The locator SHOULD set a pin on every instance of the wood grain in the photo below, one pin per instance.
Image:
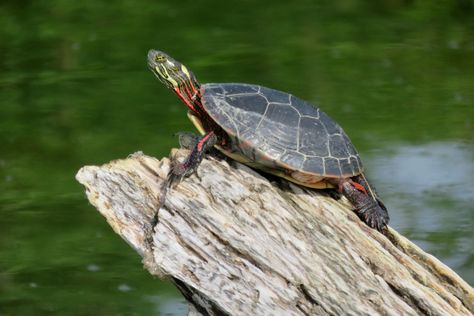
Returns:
(236, 243)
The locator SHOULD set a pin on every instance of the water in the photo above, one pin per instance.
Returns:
(75, 90)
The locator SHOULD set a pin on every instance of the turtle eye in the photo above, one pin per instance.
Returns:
(160, 58)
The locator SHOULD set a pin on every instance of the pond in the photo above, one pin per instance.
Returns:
(75, 90)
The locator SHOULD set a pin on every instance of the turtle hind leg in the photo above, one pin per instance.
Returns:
(369, 208)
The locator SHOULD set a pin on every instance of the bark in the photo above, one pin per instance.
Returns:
(238, 243)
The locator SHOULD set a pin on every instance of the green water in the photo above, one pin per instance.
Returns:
(75, 90)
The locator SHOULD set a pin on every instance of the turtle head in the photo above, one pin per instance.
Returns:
(169, 71)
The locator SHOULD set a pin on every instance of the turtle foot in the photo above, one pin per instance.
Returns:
(375, 216)
(368, 207)
(187, 140)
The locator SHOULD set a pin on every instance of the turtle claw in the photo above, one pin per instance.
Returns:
(374, 216)
(181, 170)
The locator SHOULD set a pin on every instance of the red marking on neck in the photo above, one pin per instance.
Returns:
(189, 92)
(185, 98)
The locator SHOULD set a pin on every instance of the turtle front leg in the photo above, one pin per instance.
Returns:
(188, 140)
(198, 146)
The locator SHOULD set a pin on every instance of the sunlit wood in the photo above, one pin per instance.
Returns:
(237, 244)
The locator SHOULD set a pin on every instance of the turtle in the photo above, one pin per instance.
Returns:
(270, 130)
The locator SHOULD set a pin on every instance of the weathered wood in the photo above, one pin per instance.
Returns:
(237, 244)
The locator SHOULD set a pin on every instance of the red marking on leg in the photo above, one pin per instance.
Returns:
(202, 141)
(358, 186)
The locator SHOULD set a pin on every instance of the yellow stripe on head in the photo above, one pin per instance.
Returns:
(171, 72)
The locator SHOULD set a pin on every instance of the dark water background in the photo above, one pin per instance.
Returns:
(75, 90)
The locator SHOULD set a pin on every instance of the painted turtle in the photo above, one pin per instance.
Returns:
(269, 130)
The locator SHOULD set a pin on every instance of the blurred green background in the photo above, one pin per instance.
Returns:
(398, 75)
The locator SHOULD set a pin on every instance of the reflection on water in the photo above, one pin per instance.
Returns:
(169, 306)
(432, 167)
(429, 189)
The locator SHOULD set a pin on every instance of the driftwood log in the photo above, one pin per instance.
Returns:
(236, 243)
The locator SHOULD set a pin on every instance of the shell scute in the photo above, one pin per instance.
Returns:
(280, 128)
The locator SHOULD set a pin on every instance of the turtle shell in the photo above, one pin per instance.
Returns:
(275, 129)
